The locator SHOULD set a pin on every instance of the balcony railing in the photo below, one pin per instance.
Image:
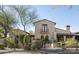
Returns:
(44, 32)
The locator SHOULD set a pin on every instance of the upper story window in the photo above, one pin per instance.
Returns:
(44, 28)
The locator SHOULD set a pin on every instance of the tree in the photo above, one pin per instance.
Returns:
(25, 15)
(42, 39)
(6, 20)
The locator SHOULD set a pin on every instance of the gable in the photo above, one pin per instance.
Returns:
(45, 20)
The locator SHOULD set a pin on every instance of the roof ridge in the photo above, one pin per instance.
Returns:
(46, 20)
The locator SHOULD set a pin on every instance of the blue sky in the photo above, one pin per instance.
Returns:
(61, 15)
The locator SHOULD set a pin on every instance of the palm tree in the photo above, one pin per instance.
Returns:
(25, 16)
(6, 20)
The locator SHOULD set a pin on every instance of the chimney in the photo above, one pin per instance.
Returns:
(68, 27)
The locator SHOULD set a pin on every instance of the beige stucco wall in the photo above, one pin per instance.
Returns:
(38, 27)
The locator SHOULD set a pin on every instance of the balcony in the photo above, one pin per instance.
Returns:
(44, 32)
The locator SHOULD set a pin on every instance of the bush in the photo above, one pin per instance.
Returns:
(10, 42)
(37, 44)
(27, 42)
(21, 39)
(46, 39)
(70, 42)
(42, 40)
(1, 46)
(17, 46)
(24, 39)
(60, 44)
(42, 37)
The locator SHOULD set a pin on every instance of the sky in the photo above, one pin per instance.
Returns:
(62, 15)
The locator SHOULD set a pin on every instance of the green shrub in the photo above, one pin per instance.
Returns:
(10, 42)
(42, 37)
(21, 39)
(17, 46)
(37, 44)
(42, 40)
(46, 39)
(1, 46)
(60, 44)
(24, 39)
(70, 42)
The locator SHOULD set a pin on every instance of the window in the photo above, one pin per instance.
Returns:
(44, 28)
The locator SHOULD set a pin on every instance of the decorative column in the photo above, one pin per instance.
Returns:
(55, 36)
(64, 38)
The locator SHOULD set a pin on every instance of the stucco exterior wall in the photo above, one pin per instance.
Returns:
(38, 28)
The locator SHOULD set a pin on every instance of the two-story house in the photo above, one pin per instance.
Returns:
(46, 27)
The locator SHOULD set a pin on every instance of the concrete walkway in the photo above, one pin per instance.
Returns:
(24, 52)
(20, 51)
(17, 51)
(8, 50)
